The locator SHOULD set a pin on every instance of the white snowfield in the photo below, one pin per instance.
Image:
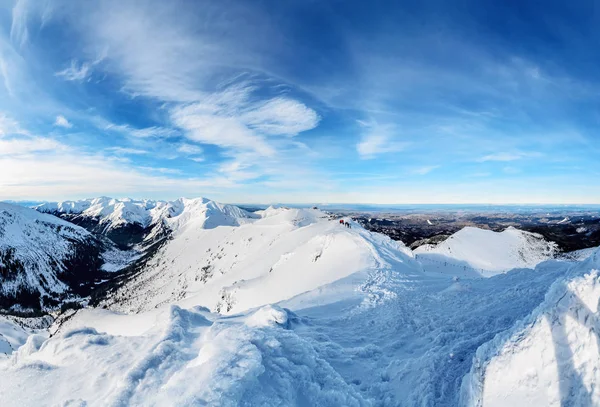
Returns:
(295, 309)
(484, 253)
(39, 243)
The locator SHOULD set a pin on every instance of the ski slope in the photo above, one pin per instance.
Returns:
(299, 310)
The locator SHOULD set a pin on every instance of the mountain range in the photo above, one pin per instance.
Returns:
(285, 306)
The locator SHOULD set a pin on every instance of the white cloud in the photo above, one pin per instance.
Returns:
(231, 119)
(62, 121)
(424, 170)
(511, 170)
(9, 126)
(187, 148)
(225, 131)
(76, 71)
(68, 173)
(147, 132)
(126, 151)
(508, 156)
(378, 140)
(28, 145)
(479, 174)
(282, 116)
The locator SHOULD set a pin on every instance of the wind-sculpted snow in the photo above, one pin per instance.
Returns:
(14, 331)
(474, 252)
(186, 357)
(552, 357)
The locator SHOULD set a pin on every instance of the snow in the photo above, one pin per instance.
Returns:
(110, 212)
(113, 213)
(551, 358)
(284, 253)
(473, 252)
(14, 331)
(290, 308)
(39, 242)
(234, 360)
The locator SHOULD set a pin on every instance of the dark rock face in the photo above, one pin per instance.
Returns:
(124, 237)
(80, 271)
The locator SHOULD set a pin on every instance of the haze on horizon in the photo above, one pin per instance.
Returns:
(391, 103)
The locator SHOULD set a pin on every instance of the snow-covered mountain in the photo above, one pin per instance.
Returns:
(43, 258)
(290, 307)
(127, 222)
(276, 256)
(474, 252)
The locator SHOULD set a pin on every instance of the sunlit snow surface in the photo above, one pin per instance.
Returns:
(366, 326)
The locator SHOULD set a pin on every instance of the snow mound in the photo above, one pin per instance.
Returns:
(551, 358)
(184, 357)
(474, 252)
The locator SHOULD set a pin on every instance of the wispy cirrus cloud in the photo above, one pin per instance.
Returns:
(9, 126)
(232, 118)
(424, 170)
(127, 151)
(379, 139)
(19, 146)
(508, 156)
(75, 72)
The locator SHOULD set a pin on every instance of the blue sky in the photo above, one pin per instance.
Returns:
(301, 101)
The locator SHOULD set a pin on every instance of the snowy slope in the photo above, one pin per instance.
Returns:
(551, 358)
(284, 253)
(41, 255)
(14, 331)
(474, 252)
(129, 222)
